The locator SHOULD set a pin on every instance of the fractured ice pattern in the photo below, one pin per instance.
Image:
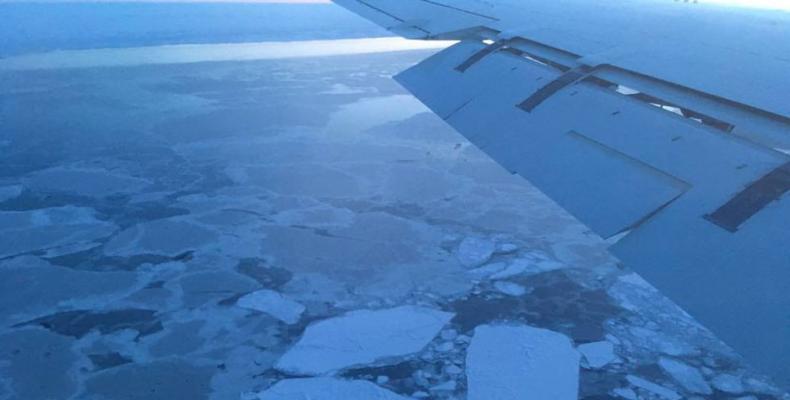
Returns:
(305, 229)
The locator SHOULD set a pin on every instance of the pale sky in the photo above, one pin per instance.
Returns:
(175, 1)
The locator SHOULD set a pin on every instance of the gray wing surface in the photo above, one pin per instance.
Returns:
(665, 122)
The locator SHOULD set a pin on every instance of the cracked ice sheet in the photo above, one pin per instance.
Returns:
(31, 287)
(50, 228)
(86, 182)
(362, 337)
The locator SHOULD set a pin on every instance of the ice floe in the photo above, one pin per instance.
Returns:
(626, 393)
(597, 354)
(728, 383)
(510, 288)
(658, 390)
(487, 270)
(274, 304)
(528, 264)
(475, 251)
(506, 248)
(49, 228)
(521, 362)
(687, 376)
(325, 389)
(167, 237)
(10, 192)
(39, 287)
(362, 337)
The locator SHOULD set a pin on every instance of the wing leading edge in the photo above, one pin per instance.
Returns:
(694, 169)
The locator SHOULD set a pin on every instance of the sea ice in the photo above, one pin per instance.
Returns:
(658, 390)
(506, 248)
(529, 264)
(362, 337)
(87, 182)
(728, 383)
(487, 270)
(49, 228)
(597, 354)
(31, 287)
(326, 389)
(521, 362)
(517, 267)
(626, 393)
(10, 192)
(687, 376)
(274, 304)
(475, 251)
(510, 288)
(167, 237)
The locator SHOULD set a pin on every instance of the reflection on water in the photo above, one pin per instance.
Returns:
(373, 111)
(191, 53)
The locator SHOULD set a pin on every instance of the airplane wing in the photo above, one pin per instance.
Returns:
(661, 122)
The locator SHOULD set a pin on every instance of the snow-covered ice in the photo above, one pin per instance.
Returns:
(274, 304)
(362, 337)
(520, 363)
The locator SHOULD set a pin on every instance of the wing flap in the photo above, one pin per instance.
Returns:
(738, 54)
(622, 160)
(417, 18)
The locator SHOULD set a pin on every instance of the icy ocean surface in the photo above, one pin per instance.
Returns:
(305, 229)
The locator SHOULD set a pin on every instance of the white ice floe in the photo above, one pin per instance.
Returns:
(506, 248)
(448, 386)
(325, 389)
(658, 390)
(10, 192)
(31, 287)
(167, 237)
(529, 264)
(362, 337)
(49, 228)
(475, 251)
(510, 288)
(728, 383)
(521, 362)
(660, 341)
(597, 354)
(487, 270)
(626, 393)
(687, 376)
(274, 304)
